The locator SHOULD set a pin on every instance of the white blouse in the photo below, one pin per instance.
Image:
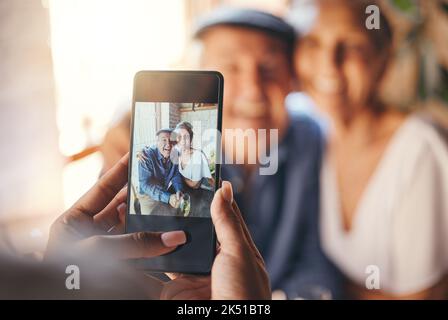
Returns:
(401, 222)
(197, 168)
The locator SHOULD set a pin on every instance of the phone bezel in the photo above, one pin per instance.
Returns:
(196, 73)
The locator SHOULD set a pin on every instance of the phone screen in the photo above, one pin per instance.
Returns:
(174, 163)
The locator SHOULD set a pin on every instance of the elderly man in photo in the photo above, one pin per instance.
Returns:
(159, 177)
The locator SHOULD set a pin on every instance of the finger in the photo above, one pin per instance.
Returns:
(133, 245)
(203, 293)
(120, 227)
(188, 283)
(72, 226)
(227, 225)
(110, 216)
(228, 194)
(246, 231)
(173, 275)
(152, 286)
(107, 187)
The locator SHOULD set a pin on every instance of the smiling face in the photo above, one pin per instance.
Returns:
(183, 139)
(337, 61)
(257, 73)
(164, 144)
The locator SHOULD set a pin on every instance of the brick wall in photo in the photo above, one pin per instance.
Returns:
(174, 115)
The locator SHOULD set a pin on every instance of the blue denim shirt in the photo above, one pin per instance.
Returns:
(282, 214)
(157, 174)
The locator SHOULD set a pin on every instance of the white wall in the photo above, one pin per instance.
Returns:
(31, 165)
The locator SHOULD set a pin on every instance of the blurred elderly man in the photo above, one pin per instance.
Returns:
(253, 50)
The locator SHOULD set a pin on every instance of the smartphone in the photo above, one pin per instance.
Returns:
(174, 167)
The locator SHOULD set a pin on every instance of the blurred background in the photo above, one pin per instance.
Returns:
(66, 76)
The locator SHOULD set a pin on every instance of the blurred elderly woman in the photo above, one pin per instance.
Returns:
(384, 180)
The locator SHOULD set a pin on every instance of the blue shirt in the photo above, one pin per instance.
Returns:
(282, 211)
(157, 174)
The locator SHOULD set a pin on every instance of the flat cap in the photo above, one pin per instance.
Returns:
(247, 18)
(164, 130)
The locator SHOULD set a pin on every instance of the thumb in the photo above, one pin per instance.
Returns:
(227, 225)
(133, 245)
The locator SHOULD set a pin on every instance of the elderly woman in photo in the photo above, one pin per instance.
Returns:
(193, 164)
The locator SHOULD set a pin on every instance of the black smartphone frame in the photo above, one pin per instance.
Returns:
(181, 92)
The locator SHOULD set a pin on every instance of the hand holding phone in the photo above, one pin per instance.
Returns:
(92, 225)
(238, 272)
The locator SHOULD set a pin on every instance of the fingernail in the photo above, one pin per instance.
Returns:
(121, 207)
(227, 192)
(173, 238)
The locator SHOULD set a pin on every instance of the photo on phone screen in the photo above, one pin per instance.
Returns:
(174, 155)
(174, 163)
